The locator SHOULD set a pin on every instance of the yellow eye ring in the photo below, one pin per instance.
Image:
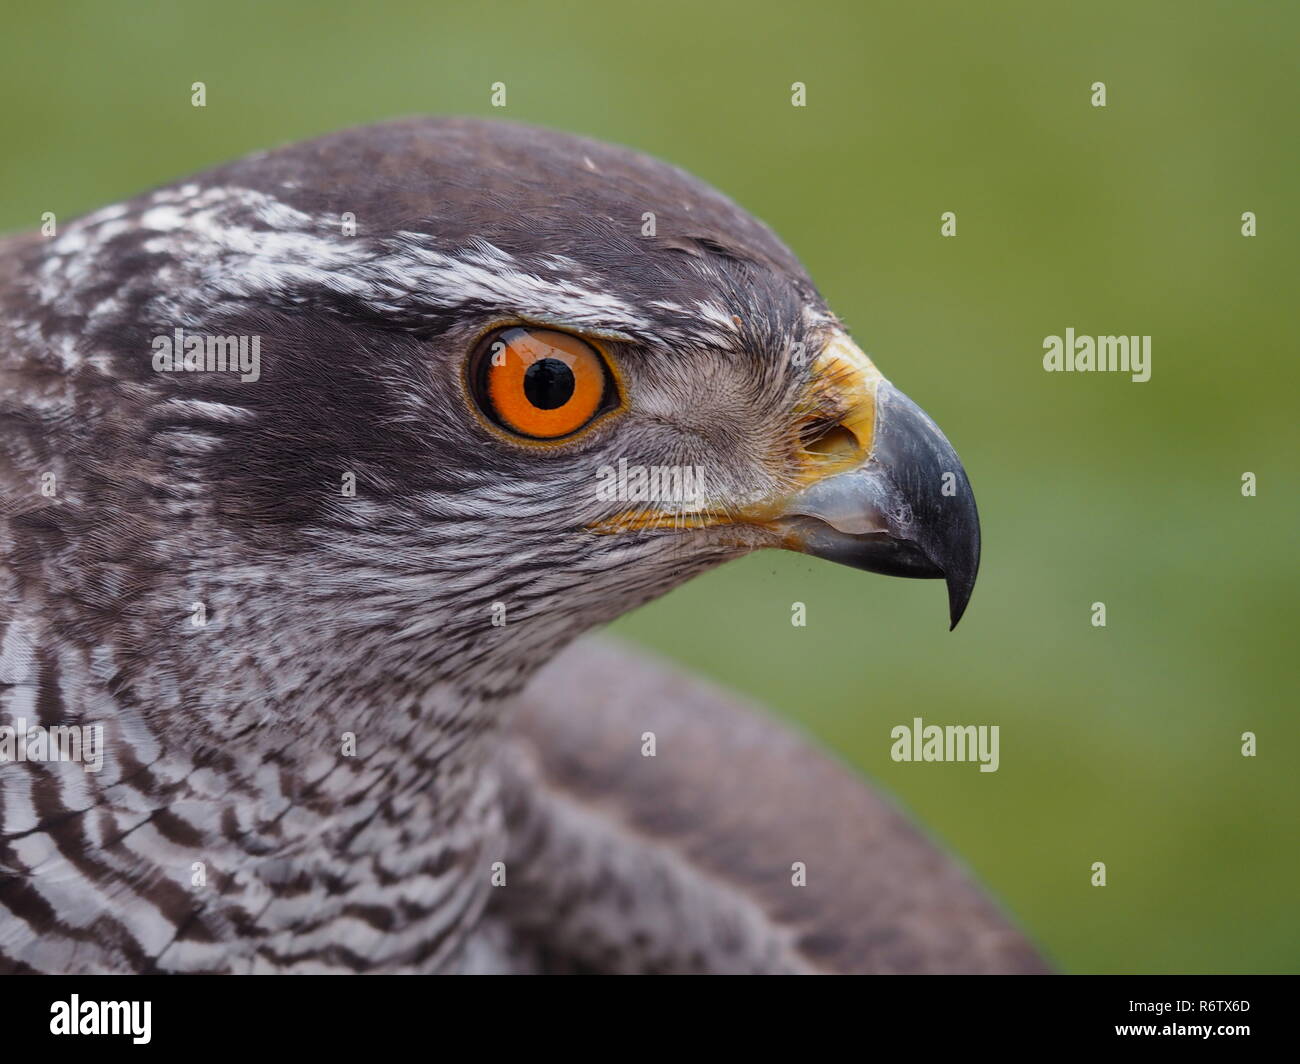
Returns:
(539, 383)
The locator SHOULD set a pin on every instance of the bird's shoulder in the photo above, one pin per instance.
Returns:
(725, 818)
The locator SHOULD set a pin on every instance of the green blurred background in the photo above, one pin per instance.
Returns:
(1119, 744)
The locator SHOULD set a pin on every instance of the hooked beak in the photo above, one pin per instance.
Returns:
(897, 500)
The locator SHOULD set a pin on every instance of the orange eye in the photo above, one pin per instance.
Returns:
(540, 383)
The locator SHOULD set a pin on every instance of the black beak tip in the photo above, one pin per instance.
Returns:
(960, 579)
(958, 597)
(942, 519)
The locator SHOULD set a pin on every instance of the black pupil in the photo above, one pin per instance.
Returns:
(548, 383)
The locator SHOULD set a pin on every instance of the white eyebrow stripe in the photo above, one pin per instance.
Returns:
(489, 275)
(717, 315)
(228, 242)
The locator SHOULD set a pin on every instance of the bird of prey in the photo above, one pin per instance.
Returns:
(314, 466)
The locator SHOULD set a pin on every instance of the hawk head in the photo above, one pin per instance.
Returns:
(484, 386)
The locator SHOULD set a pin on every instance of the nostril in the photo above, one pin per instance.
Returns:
(833, 441)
